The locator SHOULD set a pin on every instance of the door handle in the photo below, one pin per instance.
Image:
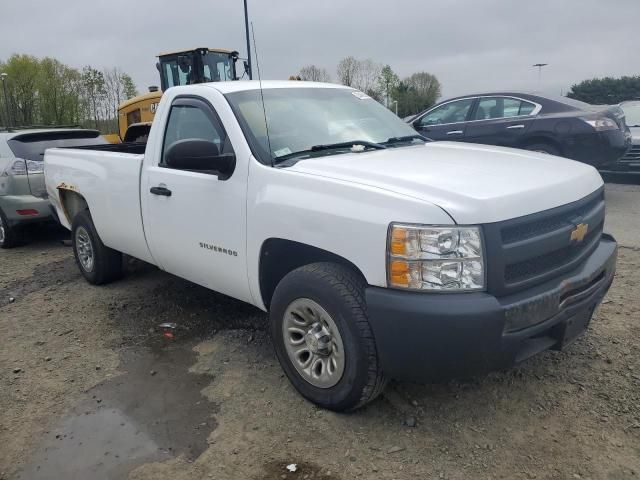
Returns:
(455, 132)
(515, 127)
(164, 191)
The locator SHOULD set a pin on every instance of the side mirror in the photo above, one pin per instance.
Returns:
(199, 155)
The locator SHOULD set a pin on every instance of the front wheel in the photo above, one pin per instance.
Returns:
(98, 263)
(322, 336)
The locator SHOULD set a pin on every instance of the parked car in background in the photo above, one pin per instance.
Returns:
(630, 161)
(558, 126)
(23, 196)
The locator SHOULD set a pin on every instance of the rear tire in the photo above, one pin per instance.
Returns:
(318, 318)
(98, 263)
(9, 236)
(543, 148)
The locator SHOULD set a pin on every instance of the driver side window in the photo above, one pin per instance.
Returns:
(190, 121)
(452, 112)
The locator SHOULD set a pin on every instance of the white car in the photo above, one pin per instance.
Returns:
(378, 255)
(629, 163)
(23, 197)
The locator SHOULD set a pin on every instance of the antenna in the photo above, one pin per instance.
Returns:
(264, 110)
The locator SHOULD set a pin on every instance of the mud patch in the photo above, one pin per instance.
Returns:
(152, 412)
(51, 274)
(199, 313)
(277, 470)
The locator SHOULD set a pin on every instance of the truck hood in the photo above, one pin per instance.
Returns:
(472, 183)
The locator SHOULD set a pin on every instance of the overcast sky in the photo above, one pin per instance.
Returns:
(470, 45)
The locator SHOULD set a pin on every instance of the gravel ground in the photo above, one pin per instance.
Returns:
(90, 388)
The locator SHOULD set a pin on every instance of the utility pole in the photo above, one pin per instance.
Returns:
(246, 29)
(4, 76)
(540, 65)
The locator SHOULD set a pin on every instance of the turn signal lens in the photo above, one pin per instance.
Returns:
(399, 273)
(399, 241)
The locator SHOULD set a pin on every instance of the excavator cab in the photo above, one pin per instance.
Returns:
(200, 65)
(186, 67)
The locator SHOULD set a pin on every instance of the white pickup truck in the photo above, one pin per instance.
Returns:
(376, 253)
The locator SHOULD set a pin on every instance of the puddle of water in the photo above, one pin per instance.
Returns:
(132, 419)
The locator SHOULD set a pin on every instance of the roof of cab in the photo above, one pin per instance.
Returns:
(214, 50)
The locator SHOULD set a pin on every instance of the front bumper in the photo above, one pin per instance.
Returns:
(597, 148)
(11, 204)
(629, 163)
(427, 337)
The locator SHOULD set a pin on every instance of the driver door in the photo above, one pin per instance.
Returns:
(446, 121)
(195, 222)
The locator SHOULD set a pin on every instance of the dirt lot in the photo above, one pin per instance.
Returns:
(90, 389)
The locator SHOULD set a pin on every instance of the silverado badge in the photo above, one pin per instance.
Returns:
(579, 232)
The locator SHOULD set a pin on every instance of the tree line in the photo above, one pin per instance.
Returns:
(45, 91)
(607, 91)
(409, 95)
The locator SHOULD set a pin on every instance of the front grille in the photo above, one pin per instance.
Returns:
(549, 261)
(547, 224)
(529, 250)
(632, 155)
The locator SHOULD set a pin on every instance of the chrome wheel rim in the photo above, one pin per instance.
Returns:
(313, 343)
(2, 233)
(84, 249)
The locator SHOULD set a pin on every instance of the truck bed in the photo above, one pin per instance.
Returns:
(107, 177)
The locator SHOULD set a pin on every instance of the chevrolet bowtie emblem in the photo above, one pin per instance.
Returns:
(579, 232)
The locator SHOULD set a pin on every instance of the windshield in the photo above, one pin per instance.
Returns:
(218, 67)
(632, 113)
(192, 68)
(301, 118)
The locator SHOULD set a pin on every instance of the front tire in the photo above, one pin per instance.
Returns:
(98, 263)
(322, 336)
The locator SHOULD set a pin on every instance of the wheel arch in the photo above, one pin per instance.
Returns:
(72, 203)
(542, 139)
(279, 256)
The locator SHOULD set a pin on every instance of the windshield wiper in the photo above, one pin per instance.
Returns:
(329, 146)
(404, 139)
(349, 144)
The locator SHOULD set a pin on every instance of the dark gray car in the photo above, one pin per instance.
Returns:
(558, 126)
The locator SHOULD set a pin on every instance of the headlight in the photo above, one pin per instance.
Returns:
(602, 124)
(435, 258)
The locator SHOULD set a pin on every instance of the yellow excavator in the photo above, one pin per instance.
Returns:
(186, 67)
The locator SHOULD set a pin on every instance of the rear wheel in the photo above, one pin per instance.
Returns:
(98, 263)
(322, 336)
(9, 236)
(543, 148)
